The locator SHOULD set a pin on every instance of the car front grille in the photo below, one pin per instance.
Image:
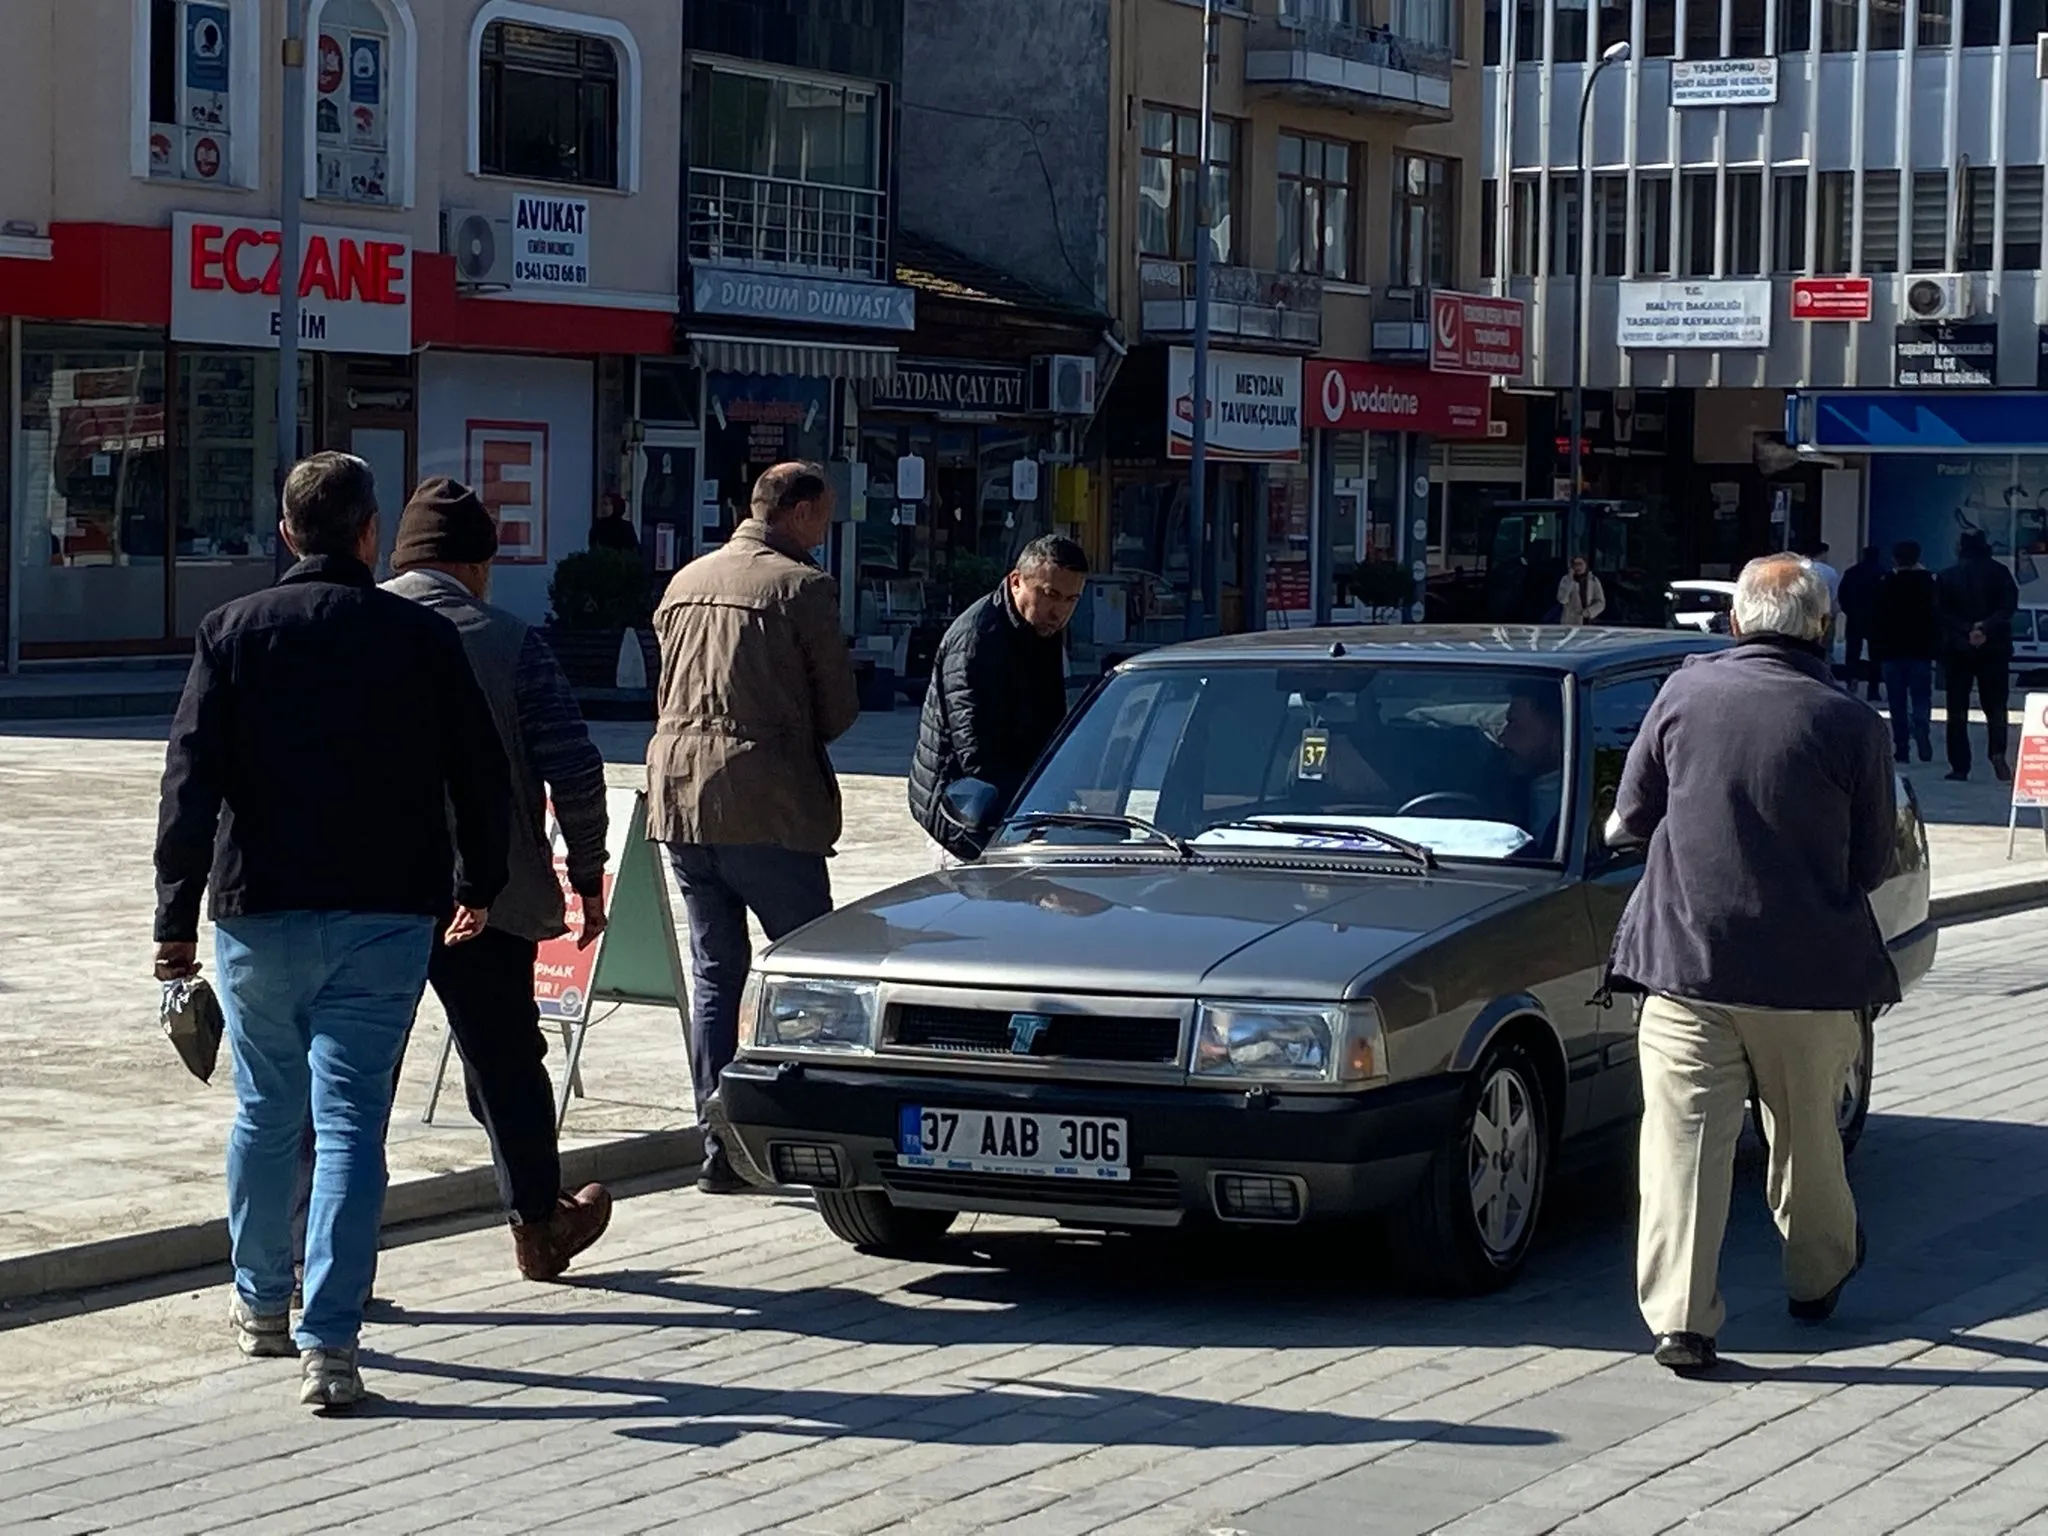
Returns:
(1147, 1189)
(1064, 1036)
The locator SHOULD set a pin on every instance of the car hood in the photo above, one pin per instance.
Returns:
(1146, 928)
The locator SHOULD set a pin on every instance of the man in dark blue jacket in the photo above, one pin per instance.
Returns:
(326, 731)
(1765, 794)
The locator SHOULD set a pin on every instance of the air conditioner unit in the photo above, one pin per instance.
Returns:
(1064, 384)
(481, 244)
(1939, 296)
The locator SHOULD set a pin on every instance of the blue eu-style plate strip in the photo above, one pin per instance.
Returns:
(910, 1130)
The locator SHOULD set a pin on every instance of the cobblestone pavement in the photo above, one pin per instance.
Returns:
(722, 1366)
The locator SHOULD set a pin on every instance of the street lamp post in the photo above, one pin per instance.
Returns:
(292, 188)
(1198, 429)
(1616, 53)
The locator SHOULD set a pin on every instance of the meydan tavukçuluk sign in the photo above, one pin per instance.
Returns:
(1254, 406)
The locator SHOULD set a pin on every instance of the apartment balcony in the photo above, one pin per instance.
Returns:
(789, 226)
(1346, 64)
(1282, 309)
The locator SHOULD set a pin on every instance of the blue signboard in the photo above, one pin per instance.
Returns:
(206, 48)
(365, 70)
(1904, 421)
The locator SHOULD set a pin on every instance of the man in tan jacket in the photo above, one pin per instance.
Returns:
(756, 681)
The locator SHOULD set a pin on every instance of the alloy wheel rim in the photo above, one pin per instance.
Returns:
(1504, 1163)
(1852, 1094)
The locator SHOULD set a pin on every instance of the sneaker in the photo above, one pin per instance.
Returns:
(2001, 770)
(718, 1176)
(545, 1248)
(1686, 1354)
(329, 1380)
(260, 1338)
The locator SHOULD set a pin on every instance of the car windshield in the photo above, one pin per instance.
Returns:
(1467, 761)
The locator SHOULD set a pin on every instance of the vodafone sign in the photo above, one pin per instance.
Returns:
(355, 285)
(1472, 334)
(1373, 397)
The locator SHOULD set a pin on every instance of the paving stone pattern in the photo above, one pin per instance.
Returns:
(723, 1366)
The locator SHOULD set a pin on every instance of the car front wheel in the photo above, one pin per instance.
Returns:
(1468, 1226)
(1852, 1104)
(867, 1219)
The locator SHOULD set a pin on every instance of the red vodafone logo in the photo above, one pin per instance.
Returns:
(1333, 395)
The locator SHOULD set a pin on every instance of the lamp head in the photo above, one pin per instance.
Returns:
(1616, 53)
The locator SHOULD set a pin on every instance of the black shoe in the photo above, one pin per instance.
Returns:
(1958, 778)
(1902, 757)
(1821, 1308)
(718, 1176)
(1926, 753)
(1686, 1354)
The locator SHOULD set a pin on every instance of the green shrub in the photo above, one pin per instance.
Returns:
(601, 589)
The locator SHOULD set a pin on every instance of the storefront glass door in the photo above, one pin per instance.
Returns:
(665, 501)
(224, 481)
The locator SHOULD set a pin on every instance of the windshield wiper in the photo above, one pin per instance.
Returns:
(1110, 822)
(1419, 852)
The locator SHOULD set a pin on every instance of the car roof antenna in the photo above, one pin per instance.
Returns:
(1336, 650)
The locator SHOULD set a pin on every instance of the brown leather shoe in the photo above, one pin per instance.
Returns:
(545, 1248)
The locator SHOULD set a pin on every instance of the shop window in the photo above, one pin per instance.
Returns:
(1880, 221)
(356, 61)
(195, 118)
(1937, 23)
(1745, 223)
(549, 105)
(1703, 29)
(1788, 221)
(1425, 235)
(1170, 159)
(1316, 206)
(1660, 28)
(1930, 221)
(1653, 226)
(1795, 26)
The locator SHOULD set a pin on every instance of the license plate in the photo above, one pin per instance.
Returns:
(1007, 1141)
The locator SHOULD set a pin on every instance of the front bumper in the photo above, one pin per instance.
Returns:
(1341, 1153)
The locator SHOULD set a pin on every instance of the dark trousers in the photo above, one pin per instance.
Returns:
(1989, 669)
(1909, 690)
(1855, 639)
(721, 884)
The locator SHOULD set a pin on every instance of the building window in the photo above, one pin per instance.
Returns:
(1696, 231)
(1788, 221)
(1526, 216)
(1564, 224)
(1425, 234)
(1981, 18)
(1166, 191)
(1887, 24)
(1610, 226)
(190, 90)
(1614, 23)
(1703, 29)
(1795, 26)
(1980, 217)
(787, 173)
(1748, 36)
(1930, 221)
(1653, 226)
(1489, 228)
(1880, 221)
(1528, 30)
(1937, 23)
(2023, 218)
(352, 103)
(1660, 28)
(1745, 223)
(1838, 25)
(1489, 45)
(1315, 214)
(1837, 252)
(548, 105)
(1568, 42)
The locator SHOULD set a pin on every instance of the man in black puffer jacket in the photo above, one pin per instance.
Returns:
(998, 691)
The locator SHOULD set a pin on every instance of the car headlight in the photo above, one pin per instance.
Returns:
(1290, 1042)
(798, 1013)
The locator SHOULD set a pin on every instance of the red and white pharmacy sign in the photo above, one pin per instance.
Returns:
(507, 462)
(355, 285)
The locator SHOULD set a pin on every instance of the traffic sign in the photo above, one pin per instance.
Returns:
(1831, 298)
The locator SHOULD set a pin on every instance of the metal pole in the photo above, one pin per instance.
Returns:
(291, 191)
(1574, 532)
(1198, 435)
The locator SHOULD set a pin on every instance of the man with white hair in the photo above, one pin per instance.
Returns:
(1765, 794)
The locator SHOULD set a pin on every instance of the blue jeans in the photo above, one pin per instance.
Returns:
(1909, 693)
(318, 1007)
(721, 883)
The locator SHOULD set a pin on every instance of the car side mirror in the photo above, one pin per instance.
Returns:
(971, 806)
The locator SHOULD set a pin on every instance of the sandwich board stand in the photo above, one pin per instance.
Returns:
(2030, 770)
(635, 960)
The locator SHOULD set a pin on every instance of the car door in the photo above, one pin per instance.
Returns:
(1614, 711)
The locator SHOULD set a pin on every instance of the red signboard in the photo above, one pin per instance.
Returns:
(1377, 397)
(1469, 333)
(2030, 772)
(1830, 298)
(562, 972)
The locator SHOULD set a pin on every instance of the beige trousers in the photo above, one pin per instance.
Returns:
(1697, 1060)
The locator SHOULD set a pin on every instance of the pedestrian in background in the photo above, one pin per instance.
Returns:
(1978, 599)
(611, 528)
(756, 682)
(998, 692)
(1856, 599)
(1905, 637)
(447, 540)
(1766, 799)
(1580, 597)
(326, 732)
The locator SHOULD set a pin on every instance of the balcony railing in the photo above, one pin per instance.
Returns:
(1245, 303)
(793, 226)
(1344, 62)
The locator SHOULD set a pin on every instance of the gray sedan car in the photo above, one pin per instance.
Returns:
(1286, 927)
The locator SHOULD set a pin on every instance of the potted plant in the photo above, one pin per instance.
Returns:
(597, 597)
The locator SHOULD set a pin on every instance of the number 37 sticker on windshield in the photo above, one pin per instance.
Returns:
(1315, 754)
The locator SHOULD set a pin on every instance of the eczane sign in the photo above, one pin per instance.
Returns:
(355, 285)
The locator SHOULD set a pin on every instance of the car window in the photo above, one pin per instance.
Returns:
(1614, 720)
(2024, 624)
(1467, 759)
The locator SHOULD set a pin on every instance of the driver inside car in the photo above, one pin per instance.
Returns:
(1531, 741)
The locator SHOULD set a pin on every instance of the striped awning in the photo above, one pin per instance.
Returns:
(815, 360)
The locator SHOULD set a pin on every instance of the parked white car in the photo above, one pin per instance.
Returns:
(1700, 605)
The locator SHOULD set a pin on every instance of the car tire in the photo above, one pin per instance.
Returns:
(1852, 1111)
(1445, 1235)
(867, 1219)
